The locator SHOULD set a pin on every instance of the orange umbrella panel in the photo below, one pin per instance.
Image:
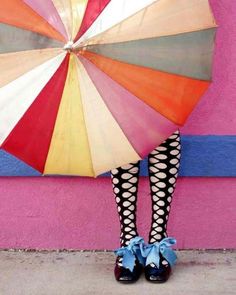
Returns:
(172, 95)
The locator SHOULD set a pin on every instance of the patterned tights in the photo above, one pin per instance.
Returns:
(163, 167)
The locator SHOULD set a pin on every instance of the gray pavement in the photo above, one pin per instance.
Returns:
(75, 273)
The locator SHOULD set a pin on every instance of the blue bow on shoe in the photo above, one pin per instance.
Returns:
(131, 252)
(152, 252)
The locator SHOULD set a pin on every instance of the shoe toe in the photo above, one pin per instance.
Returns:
(124, 275)
(156, 278)
(157, 275)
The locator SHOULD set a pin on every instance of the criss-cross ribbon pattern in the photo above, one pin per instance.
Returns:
(153, 252)
(131, 252)
(147, 253)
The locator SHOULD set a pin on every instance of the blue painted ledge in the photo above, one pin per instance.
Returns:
(202, 155)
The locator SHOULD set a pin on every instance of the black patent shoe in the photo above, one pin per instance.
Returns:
(157, 266)
(156, 274)
(125, 275)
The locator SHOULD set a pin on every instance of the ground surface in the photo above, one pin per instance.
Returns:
(75, 273)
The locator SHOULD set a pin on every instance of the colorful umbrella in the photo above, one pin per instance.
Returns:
(90, 85)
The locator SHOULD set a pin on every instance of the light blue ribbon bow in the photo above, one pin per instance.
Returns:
(131, 252)
(152, 251)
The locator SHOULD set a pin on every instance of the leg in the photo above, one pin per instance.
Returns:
(125, 188)
(163, 164)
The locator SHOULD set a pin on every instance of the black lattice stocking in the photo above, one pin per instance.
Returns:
(163, 165)
(125, 188)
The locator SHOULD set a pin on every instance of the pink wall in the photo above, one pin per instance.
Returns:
(80, 213)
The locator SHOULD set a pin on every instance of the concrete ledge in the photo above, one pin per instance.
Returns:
(77, 273)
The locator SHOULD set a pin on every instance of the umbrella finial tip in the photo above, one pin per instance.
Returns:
(69, 46)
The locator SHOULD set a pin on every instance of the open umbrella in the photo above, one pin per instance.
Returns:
(90, 85)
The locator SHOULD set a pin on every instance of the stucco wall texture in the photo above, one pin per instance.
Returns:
(80, 213)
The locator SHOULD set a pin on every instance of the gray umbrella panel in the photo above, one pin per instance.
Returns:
(187, 54)
(13, 39)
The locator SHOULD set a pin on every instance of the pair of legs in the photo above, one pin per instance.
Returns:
(163, 167)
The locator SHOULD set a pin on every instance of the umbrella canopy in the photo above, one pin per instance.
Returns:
(91, 85)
